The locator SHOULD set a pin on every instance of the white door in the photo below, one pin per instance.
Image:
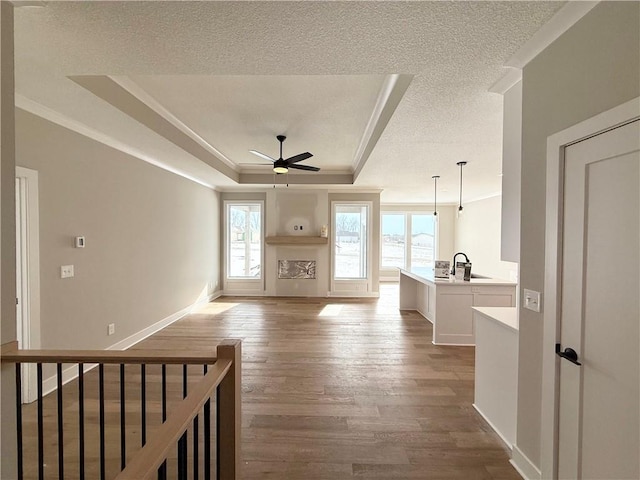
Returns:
(22, 287)
(599, 421)
(27, 274)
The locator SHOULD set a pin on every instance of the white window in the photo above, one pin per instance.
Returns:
(244, 240)
(408, 240)
(393, 240)
(422, 240)
(350, 232)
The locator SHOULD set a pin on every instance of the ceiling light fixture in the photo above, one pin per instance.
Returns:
(460, 164)
(435, 195)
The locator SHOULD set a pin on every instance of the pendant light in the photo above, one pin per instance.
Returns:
(461, 164)
(435, 195)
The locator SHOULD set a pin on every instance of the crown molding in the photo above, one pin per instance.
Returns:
(508, 80)
(294, 180)
(107, 89)
(51, 115)
(138, 92)
(389, 97)
(562, 21)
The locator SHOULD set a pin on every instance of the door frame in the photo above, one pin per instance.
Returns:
(30, 284)
(556, 144)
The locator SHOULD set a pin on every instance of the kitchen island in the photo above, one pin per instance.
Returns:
(447, 303)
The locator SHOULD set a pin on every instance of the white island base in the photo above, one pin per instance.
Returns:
(447, 303)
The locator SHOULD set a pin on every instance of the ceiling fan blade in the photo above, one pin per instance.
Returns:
(298, 158)
(262, 155)
(305, 167)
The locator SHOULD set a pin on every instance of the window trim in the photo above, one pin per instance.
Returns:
(368, 270)
(226, 205)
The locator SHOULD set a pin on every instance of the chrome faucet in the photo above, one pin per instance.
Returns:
(453, 270)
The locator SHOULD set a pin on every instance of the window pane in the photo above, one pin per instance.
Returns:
(422, 240)
(393, 240)
(350, 241)
(245, 241)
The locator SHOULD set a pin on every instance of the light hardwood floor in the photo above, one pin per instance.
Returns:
(332, 389)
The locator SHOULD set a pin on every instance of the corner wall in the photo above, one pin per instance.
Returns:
(152, 237)
(478, 235)
(592, 67)
(8, 241)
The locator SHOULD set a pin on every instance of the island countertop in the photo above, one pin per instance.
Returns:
(424, 274)
(505, 316)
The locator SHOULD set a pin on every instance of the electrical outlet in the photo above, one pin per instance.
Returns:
(66, 271)
(111, 329)
(532, 300)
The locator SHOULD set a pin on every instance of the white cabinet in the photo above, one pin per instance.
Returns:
(454, 324)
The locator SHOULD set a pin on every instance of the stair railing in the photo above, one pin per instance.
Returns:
(220, 385)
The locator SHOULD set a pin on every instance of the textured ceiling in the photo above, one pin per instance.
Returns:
(323, 114)
(326, 61)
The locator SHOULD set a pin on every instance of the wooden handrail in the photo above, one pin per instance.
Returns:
(146, 462)
(186, 357)
(224, 374)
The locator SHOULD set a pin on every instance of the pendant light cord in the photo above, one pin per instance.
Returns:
(460, 203)
(462, 164)
(435, 194)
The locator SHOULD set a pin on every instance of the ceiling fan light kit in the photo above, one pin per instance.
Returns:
(282, 165)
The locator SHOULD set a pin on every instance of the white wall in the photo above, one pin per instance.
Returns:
(7, 242)
(592, 67)
(446, 231)
(511, 166)
(152, 237)
(477, 233)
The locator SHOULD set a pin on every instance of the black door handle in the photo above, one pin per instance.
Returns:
(568, 354)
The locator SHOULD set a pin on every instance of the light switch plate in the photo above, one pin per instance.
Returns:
(66, 271)
(532, 300)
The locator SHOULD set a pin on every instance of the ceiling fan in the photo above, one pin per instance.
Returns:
(283, 165)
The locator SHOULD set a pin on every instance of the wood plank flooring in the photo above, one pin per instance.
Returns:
(336, 389)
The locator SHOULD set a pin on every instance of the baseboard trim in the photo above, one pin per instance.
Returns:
(215, 295)
(523, 465)
(244, 293)
(507, 443)
(354, 294)
(71, 373)
(441, 344)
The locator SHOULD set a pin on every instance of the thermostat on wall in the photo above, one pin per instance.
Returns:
(79, 242)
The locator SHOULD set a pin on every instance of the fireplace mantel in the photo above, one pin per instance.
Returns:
(296, 240)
